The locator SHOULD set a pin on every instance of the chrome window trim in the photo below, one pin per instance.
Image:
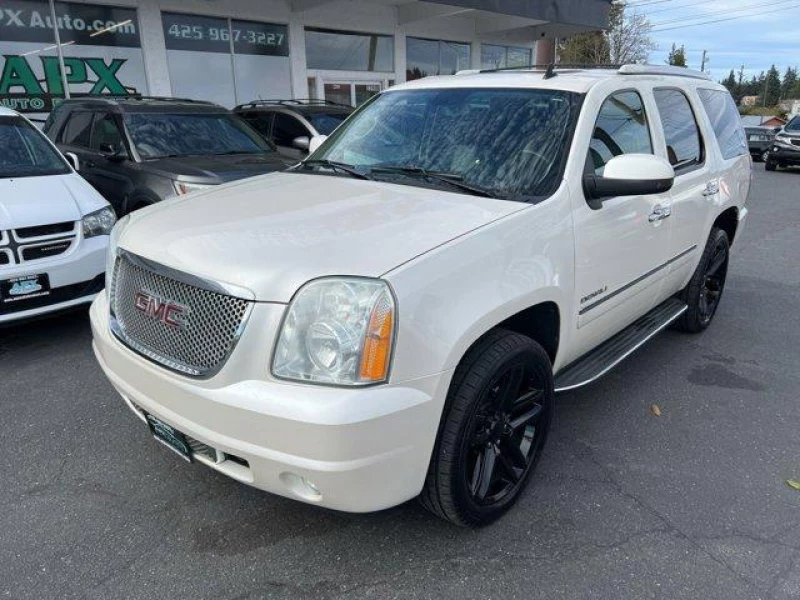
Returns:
(172, 365)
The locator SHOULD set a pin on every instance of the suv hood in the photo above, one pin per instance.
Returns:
(274, 233)
(217, 169)
(32, 201)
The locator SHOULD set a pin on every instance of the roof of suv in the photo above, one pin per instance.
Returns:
(564, 77)
(130, 104)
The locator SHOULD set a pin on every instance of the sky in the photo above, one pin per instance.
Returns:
(763, 33)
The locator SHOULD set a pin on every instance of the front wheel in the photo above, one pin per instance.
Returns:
(705, 288)
(495, 423)
(771, 164)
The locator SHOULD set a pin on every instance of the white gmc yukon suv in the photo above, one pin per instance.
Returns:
(392, 317)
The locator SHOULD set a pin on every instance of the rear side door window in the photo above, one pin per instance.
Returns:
(77, 131)
(681, 133)
(725, 121)
(621, 128)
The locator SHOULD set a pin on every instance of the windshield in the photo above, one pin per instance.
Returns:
(793, 125)
(510, 143)
(326, 123)
(158, 135)
(24, 152)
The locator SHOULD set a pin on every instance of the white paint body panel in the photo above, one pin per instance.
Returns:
(34, 201)
(458, 265)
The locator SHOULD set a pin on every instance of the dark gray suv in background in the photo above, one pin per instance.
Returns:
(139, 150)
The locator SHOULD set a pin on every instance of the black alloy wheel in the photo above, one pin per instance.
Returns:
(704, 292)
(505, 435)
(494, 425)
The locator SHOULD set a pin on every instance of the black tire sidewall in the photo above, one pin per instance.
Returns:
(692, 321)
(463, 401)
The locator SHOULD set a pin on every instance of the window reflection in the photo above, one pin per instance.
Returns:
(344, 51)
(435, 57)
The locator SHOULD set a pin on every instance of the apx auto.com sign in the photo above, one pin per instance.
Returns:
(101, 48)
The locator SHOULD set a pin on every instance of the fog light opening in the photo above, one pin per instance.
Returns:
(301, 487)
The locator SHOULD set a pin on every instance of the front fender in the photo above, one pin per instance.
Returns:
(451, 296)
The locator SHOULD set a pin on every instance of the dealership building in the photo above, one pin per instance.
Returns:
(240, 50)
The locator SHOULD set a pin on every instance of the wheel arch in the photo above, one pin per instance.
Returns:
(728, 221)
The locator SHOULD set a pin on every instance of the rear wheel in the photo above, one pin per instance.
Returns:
(494, 427)
(765, 156)
(704, 291)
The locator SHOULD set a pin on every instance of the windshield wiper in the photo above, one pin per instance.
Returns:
(452, 179)
(336, 166)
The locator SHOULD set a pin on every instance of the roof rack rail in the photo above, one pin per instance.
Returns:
(292, 102)
(667, 70)
(165, 99)
(549, 67)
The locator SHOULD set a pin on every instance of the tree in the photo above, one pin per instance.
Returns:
(585, 49)
(790, 82)
(677, 57)
(731, 83)
(629, 32)
(627, 40)
(771, 92)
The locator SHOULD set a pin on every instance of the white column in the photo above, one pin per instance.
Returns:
(154, 49)
(297, 55)
(400, 56)
(475, 57)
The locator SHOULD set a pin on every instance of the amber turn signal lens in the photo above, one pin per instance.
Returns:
(377, 352)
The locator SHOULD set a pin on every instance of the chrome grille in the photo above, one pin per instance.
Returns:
(200, 337)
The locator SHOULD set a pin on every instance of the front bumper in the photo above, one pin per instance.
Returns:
(75, 279)
(784, 155)
(362, 449)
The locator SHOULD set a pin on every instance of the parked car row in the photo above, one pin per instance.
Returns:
(122, 154)
(785, 151)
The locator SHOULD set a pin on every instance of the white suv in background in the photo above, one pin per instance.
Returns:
(393, 317)
(54, 226)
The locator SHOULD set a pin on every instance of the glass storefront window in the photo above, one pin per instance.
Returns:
(100, 44)
(344, 51)
(435, 57)
(501, 57)
(258, 67)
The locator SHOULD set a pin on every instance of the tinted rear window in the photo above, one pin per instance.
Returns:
(24, 151)
(726, 122)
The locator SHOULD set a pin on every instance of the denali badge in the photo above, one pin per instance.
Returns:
(165, 311)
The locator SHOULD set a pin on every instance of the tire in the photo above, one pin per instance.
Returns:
(704, 292)
(771, 165)
(765, 156)
(494, 426)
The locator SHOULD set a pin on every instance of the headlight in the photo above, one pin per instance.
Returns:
(338, 331)
(100, 222)
(111, 256)
(182, 188)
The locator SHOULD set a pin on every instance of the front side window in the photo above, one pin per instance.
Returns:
(78, 130)
(508, 143)
(286, 128)
(621, 128)
(261, 122)
(684, 144)
(24, 152)
(726, 122)
(106, 136)
(161, 135)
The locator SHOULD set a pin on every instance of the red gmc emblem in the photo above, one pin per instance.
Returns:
(164, 311)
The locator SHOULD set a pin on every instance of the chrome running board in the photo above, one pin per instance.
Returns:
(609, 354)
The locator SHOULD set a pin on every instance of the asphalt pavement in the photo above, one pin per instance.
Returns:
(625, 504)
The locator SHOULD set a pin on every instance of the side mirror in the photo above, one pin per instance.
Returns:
(301, 143)
(113, 153)
(629, 175)
(72, 159)
(316, 142)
